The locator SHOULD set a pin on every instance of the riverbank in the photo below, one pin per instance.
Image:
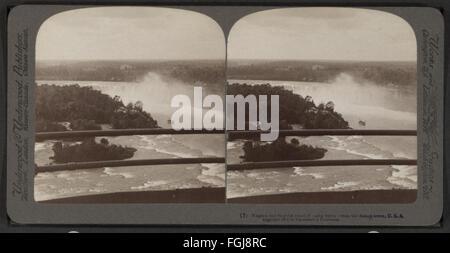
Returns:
(333, 197)
(192, 195)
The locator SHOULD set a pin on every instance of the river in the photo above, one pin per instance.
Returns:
(156, 94)
(378, 106)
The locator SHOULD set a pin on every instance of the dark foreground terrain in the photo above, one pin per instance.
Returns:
(194, 195)
(347, 197)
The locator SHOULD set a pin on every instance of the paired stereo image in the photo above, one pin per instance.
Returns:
(114, 83)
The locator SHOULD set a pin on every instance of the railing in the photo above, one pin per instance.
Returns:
(231, 135)
(118, 132)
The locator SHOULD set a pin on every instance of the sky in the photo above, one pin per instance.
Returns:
(152, 33)
(322, 34)
(128, 33)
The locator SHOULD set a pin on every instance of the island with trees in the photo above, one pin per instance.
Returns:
(85, 108)
(279, 150)
(294, 109)
(72, 108)
(90, 150)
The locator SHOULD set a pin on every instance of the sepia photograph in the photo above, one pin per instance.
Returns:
(346, 79)
(113, 110)
(105, 80)
(224, 115)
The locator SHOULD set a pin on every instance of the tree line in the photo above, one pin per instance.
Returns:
(294, 108)
(85, 109)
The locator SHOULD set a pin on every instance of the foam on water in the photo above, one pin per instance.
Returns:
(299, 171)
(149, 184)
(341, 186)
(157, 144)
(112, 172)
(404, 176)
(44, 175)
(212, 174)
(342, 144)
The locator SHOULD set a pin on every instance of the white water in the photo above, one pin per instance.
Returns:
(155, 92)
(381, 107)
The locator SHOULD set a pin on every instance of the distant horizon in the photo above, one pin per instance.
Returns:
(126, 60)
